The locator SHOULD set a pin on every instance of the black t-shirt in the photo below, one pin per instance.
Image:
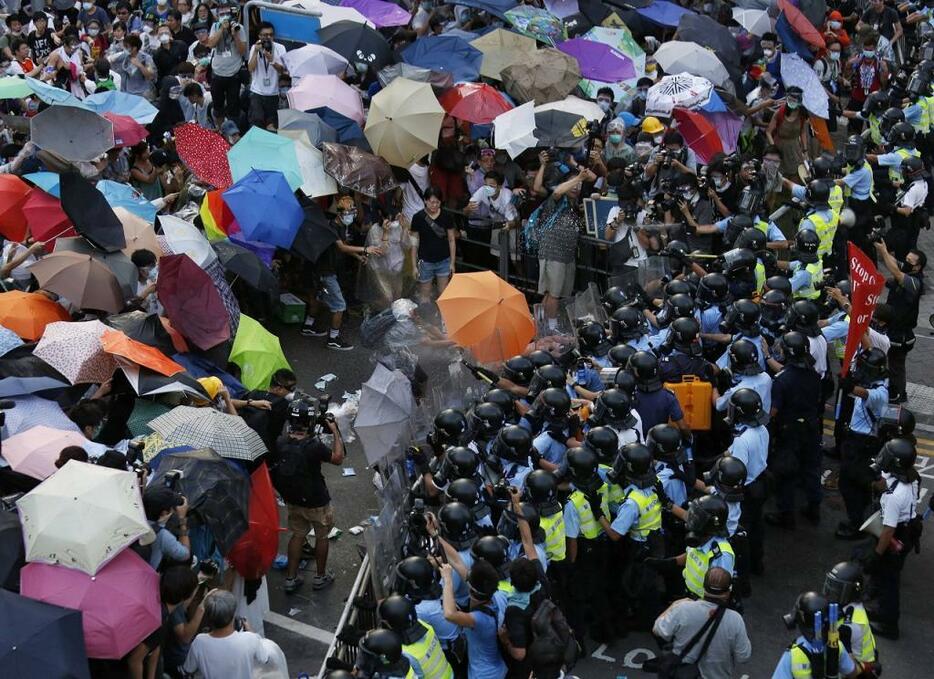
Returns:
(41, 45)
(267, 423)
(296, 473)
(328, 262)
(184, 35)
(432, 240)
(168, 57)
(518, 624)
(884, 22)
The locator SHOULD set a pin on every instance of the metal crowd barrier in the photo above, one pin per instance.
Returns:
(353, 617)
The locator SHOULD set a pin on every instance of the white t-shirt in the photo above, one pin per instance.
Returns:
(11, 250)
(496, 209)
(915, 196)
(264, 79)
(230, 657)
(411, 199)
(639, 253)
(819, 352)
(898, 505)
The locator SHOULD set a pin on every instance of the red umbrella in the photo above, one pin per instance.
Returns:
(127, 132)
(254, 552)
(699, 134)
(46, 219)
(205, 154)
(13, 192)
(191, 301)
(474, 102)
(801, 25)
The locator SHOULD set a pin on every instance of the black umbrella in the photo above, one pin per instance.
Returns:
(247, 266)
(12, 552)
(560, 129)
(146, 382)
(357, 43)
(22, 373)
(90, 212)
(706, 32)
(315, 235)
(44, 640)
(577, 24)
(218, 492)
(594, 10)
(145, 328)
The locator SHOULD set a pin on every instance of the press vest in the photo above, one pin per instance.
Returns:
(895, 173)
(697, 562)
(650, 514)
(809, 291)
(589, 526)
(555, 541)
(801, 663)
(430, 656)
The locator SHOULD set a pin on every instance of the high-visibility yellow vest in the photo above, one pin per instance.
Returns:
(924, 120)
(857, 617)
(810, 291)
(697, 562)
(555, 541)
(801, 663)
(836, 199)
(505, 587)
(613, 495)
(428, 653)
(895, 173)
(847, 191)
(839, 345)
(875, 133)
(650, 513)
(763, 226)
(760, 276)
(590, 527)
(826, 229)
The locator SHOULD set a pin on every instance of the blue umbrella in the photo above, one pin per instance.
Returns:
(791, 40)
(9, 340)
(348, 131)
(47, 181)
(198, 366)
(495, 7)
(32, 411)
(714, 104)
(265, 208)
(45, 641)
(446, 53)
(122, 104)
(125, 196)
(53, 95)
(663, 12)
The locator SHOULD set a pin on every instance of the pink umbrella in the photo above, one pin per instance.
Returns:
(119, 606)
(315, 91)
(33, 452)
(127, 132)
(382, 14)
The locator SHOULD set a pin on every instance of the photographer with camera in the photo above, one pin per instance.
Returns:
(670, 160)
(228, 41)
(266, 67)
(161, 503)
(296, 475)
(909, 215)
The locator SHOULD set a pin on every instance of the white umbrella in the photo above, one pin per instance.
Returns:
(314, 60)
(384, 418)
(228, 435)
(315, 181)
(796, 71)
(683, 90)
(756, 21)
(82, 516)
(677, 56)
(330, 14)
(185, 238)
(514, 130)
(571, 104)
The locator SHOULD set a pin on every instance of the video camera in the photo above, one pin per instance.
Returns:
(879, 231)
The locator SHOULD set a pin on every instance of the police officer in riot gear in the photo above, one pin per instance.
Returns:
(654, 403)
(741, 321)
(810, 656)
(450, 427)
(557, 429)
(628, 325)
(803, 316)
(682, 354)
(805, 269)
(486, 419)
(713, 295)
(379, 656)
(469, 493)
(420, 644)
(417, 580)
(513, 448)
(613, 409)
(745, 372)
(506, 403)
(773, 307)
(593, 343)
(843, 585)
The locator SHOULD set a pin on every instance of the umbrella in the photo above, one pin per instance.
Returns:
(121, 266)
(682, 90)
(33, 411)
(445, 53)
(728, 126)
(27, 313)
(707, 32)
(191, 301)
(796, 71)
(599, 61)
(502, 48)
(184, 238)
(47, 181)
(571, 104)
(91, 214)
(514, 131)
(74, 350)
(13, 195)
(548, 75)
(483, 312)
(12, 87)
(119, 606)
(265, 207)
(204, 152)
(676, 57)
(45, 641)
(801, 25)
(382, 14)
(331, 14)
(620, 38)
(149, 329)
(124, 195)
(756, 21)
(82, 516)
(496, 8)
(147, 382)
(87, 283)
(313, 60)
(215, 272)
(311, 162)
(317, 91)
(127, 132)
(247, 266)
(33, 452)
(699, 134)
(404, 122)
(258, 353)
(265, 252)
(537, 23)
(814, 10)
(45, 217)
(22, 373)
(562, 8)
(218, 491)
(300, 126)
(384, 418)
(438, 79)
(474, 102)
(357, 43)
(260, 149)
(12, 558)
(560, 129)
(315, 234)
(198, 366)
(54, 95)
(216, 218)
(347, 129)
(138, 233)
(358, 170)
(663, 13)
(228, 435)
(252, 555)
(72, 133)
(116, 343)
(9, 340)
(122, 103)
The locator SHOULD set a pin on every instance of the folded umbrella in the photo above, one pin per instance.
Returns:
(316, 182)
(75, 350)
(384, 419)
(204, 152)
(300, 126)
(502, 48)
(228, 435)
(87, 283)
(756, 21)
(146, 382)
(122, 103)
(33, 452)
(119, 606)
(72, 133)
(47, 181)
(138, 233)
(316, 91)
(33, 411)
(599, 61)
(676, 57)
(437, 79)
(315, 235)
(474, 102)
(537, 23)
(358, 170)
(12, 87)
(185, 238)
(27, 313)
(382, 14)
(121, 266)
(514, 131)
(548, 75)
(682, 90)
(265, 207)
(127, 132)
(21, 373)
(570, 104)
(13, 195)
(404, 122)
(258, 353)
(260, 149)
(254, 552)
(560, 129)
(90, 213)
(45, 217)
(699, 134)
(191, 301)
(124, 195)
(12, 559)
(116, 343)
(247, 266)
(313, 60)
(445, 53)
(357, 43)
(46, 641)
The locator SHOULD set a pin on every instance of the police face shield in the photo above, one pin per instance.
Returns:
(917, 85)
(508, 526)
(772, 315)
(749, 201)
(838, 591)
(853, 152)
(695, 526)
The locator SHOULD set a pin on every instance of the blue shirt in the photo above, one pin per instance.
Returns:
(724, 561)
(628, 514)
(461, 588)
(861, 421)
(889, 160)
(516, 551)
(912, 114)
(591, 382)
(674, 488)
(484, 660)
(860, 182)
(709, 319)
(515, 473)
(166, 546)
(761, 384)
(657, 407)
(772, 233)
(752, 447)
(549, 448)
(432, 612)
(642, 343)
(837, 329)
(800, 277)
(783, 669)
(724, 360)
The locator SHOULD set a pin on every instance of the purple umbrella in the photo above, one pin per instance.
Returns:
(728, 127)
(663, 12)
(598, 61)
(381, 13)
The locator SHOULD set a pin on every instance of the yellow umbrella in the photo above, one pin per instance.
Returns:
(404, 122)
(502, 48)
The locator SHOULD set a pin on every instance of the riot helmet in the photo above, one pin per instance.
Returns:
(707, 518)
(644, 366)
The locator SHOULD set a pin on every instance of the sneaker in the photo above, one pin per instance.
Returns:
(339, 344)
(312, 330)
(322, 581)
(293, 584)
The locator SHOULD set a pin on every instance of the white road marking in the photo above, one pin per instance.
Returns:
(630, 659)
(598, 654)
(299, 628)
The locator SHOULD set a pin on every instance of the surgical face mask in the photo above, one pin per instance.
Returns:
(283, 91)
(93, 32)
(86, 6)
(489, 190)
(835, 25)
(768, 52)
(204, 61)
(641, 94)
(615, 138)
(719, 181)
(658, 138)
(604, 105)
(348, 218)
(792, 105)
(869, 54)
(834, 56)
(164, 38)
(687, 194)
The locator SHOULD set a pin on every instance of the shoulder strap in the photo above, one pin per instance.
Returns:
(718, 618)
(693, 641)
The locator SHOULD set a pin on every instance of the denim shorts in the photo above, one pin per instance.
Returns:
(330, 294)
(429, 270)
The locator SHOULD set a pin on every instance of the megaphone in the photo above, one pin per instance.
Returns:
(873, 525)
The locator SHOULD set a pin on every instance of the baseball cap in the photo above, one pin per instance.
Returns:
(158, 499)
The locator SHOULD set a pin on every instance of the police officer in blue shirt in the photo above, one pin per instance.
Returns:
(471, 494)
(418, 581)
(808, 655)
(858, 193)
(628, 325)
(544, 377)
(513, 450)
(486, 419)
(713, 294)
(682, 354)
(742, 322)
(457, 534)
(559, 427)
(805, 267)
(744, 372)
(727, 480)
(593, 343)
(654, 403)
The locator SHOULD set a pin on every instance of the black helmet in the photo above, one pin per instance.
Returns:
(684, 334)
(807, 606)
(743, 317)
(457, 525)
(301, 413)
(503, 399)
(896, 422)
(678, 246)
(487, 419)
(644, 365)
(545, 377)
(398, 614)
(634, 465)
(744, 358)
(746, 408)
(628, 323)
(664, 442)
(541, 487)
(682, 306)
(806, 244)
(853, 151)
(592, 338)
(707, 518)
(890, 118)
(518, 370)
(677, 287)
(871, 366)
(467, 492)
(556, 404)
(822, 167)
(735, 226)
(796, 350)
(459, 462)
(494, 549)
(897, 458)
(738, 260)
(773, 307)
(619, 355)
(417, 579)
(753, 239)
(379, 650)
(875, 103)
(843, 584)
(902, 134)
(613, 299)
(540, 358)
(728, 476)
(513, 443)
(803, 316)
(912, 166)
(508, 525)
(818, 193)
(779, 282)
(613, 407)
(582, 466)
(450, 426)
(625, 380)
(713, 289)
(605, 442)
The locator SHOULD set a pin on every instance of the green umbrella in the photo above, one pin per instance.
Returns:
(257, 352)
(263, 150)
(144, 411)
(12, 87)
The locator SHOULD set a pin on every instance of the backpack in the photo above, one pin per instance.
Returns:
(374, 328)
(289, 473)
(551, 627)
(533, 229)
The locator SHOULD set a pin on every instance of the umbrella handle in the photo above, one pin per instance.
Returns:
(60, 233)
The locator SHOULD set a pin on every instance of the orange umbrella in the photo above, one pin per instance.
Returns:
(487, 315)
(118, 344)
(13, 193)
(27, 313)
(181, 346)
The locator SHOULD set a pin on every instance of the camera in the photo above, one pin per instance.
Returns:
(172, 478)
(208, 567)
(266, 42)
(134, 457)
(879, 231)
